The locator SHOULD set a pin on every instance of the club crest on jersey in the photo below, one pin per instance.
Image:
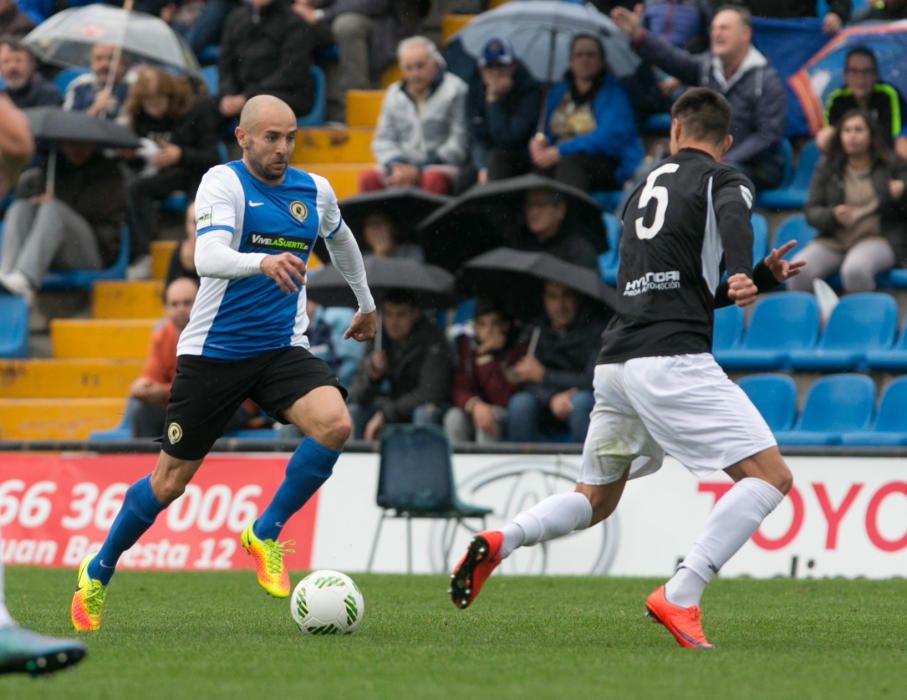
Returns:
(299, 211)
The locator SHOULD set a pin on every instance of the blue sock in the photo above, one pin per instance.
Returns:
(308, 468)
(140, 508)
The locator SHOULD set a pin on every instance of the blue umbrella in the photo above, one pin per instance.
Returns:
(824, 72)
(540, 32)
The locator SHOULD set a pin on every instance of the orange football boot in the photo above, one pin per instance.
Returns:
(482, 557)
(683, 623)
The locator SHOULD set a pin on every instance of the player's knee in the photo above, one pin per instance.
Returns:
(783, 479)
(335, 430)
(170, 488)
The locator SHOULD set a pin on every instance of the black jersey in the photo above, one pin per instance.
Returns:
(682, 227)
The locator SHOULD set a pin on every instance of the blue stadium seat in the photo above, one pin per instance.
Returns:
(657, 124)
(794, 228)
(84, 279)
(859, 323)
(209, 55)
(792, 195)
(209, 74)
(66, 76)
(607, 200)
(13, 326)
(728, 328)
(890, 425)
(837, 404)
(779, 324)
(760, 237)
(893, 359)
(897, 278)
(775, 395)
(316, 116)
(609, 261)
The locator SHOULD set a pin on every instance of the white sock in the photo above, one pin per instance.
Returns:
(5, 618)
(556, 516)
(731, 523)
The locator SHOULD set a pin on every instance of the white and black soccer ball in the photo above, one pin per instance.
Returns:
(327, 602)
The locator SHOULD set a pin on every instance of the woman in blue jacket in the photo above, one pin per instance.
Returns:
(590, 138)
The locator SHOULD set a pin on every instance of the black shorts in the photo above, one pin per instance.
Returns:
(206, 392)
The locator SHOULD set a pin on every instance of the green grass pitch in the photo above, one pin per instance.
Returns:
(217, 635)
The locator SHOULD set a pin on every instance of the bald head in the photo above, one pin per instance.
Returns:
(265, 109)
(267, 135)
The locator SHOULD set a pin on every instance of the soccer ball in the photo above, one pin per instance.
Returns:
(327, 602)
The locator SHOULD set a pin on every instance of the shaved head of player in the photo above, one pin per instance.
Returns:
(267, 135)
(701, 119)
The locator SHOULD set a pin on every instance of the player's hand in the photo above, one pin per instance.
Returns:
(286, 270)
(373, 427)
(363, 327)
(741, 290)
(782, 269)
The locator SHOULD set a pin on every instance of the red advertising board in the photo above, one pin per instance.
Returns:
(56, 508)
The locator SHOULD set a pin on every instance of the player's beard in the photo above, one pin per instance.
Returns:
(262, 171)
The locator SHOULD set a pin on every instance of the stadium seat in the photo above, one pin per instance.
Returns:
(760, 237)
(609, 261)
(316, 116)
(859, 324)
(893, 359)
(83, 279)
(897, 278)
(13, 326)
(657, 124)
(792, 196)
(779, 324)
(775, 395)
(890, 425)
(794, 228)
(728, 328)
(837, 404)
(608, 200)
(66, 76)
(415, 480)
(209, 74)
(209, 55)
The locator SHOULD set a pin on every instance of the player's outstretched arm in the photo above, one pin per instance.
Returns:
(363, 327)
(347, 258)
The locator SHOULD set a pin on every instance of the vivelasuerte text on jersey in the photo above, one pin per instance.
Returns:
(246, 316)
(686, 224)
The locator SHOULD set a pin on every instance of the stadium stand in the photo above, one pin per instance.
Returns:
(836, 404)
(84, 279)
(13, 326)
(728, 328)
(775, 395)
(791, 195)
(893, 359)
(889, 426)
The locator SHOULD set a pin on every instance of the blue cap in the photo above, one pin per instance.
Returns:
(496, 51)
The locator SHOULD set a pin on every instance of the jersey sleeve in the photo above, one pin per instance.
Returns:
(216, 203)
(733, 201)
(329, 218)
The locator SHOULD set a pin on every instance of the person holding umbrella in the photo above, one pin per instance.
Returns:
(98, 93)
(590, 139)
(71, 220)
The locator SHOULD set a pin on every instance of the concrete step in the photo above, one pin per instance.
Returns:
(342, 176)
(43, 379)
(320, 145)
(363, 108)
(57, 419)
(122, 299)
(160, 258)
(101, 338)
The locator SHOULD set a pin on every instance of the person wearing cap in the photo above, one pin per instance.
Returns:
(501, 110)
(590, 139)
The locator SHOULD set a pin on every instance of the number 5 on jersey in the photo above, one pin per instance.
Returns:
(660, 194)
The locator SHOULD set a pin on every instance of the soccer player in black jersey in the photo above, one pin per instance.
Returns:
(657, 387)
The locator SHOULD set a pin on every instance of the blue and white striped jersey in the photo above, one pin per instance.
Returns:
(248, 315)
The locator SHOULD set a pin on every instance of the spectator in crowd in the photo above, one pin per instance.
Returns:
(13, 23)
(408, 379)
(180, 144)
(325, 334)
(25, 87)
(207, 27)
(864, 90)
(421, 135)
(502, 109)
(182, 259)
(75, 227)
(151, 391)
(482, 381)
(836, 15)
(882, 11)
(738, 71)
(858, 206)
(590, 138)
(681, 23)
(90, 92)
(366, 34)
(547, 229)
(381, 238)
(266, 49)
(556, 373)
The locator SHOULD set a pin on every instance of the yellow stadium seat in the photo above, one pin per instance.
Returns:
(363, 108)
(40, 379)
(344, 177)
(101, 338)
(57, 419)
(160, 258)
(390, 75)
(319, 145)
(451, 24)
(119, 299)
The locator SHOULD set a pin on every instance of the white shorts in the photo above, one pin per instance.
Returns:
(683, 405)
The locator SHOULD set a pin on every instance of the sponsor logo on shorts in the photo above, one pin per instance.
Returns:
(299, 211)
(278, 242)
(174, 433)
(653, 282)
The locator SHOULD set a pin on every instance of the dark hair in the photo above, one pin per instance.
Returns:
(862, 50)
(16, 44)
(878, 147)
(400, 296)
(704, 113)
(599, 79)
(490, 305)
(745, 15)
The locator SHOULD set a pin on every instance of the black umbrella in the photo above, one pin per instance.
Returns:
(404, 206)
(517, 279)
(489, 216)
(431, 286)
(52, 124)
